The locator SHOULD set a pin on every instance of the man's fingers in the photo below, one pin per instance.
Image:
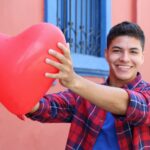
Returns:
(51, 75)
(54, 63)
(57, 55)
(65, 49)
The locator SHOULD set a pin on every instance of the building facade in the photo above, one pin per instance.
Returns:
(85, 25)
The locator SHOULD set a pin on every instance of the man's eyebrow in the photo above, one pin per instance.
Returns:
(116, 47)
(134, 48)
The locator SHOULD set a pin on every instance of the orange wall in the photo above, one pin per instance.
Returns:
(19, 14)
(15, 15)
(123, 10)
(143, 7)
(28, 135)
(136, 11)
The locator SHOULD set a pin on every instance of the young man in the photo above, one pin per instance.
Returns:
(112, 116)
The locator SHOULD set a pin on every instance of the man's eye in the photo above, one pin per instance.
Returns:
(134, 52)
(116, 50)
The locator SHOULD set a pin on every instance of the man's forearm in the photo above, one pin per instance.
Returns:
(109, 98)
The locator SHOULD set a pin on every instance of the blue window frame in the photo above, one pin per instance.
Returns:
(85, 24)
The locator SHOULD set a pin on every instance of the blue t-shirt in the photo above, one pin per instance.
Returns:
(107, 139)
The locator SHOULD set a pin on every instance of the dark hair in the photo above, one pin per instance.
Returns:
(126, 29)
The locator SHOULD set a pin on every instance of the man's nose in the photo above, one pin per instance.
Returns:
(125, 57)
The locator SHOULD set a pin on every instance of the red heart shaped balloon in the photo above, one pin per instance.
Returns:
(22, 65)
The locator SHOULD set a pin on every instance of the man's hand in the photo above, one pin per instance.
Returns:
(66, 74)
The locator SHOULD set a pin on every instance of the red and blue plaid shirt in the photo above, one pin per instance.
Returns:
(133, 129)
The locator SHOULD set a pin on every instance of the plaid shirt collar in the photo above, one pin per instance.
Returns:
(130, 85)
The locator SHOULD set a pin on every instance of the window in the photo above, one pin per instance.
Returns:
(85, 24)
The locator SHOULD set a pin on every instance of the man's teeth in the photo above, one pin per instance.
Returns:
(124, 67)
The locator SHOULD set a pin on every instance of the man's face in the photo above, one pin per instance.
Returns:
(124, 56)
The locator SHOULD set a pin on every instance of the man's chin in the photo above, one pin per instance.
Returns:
(124, 78)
